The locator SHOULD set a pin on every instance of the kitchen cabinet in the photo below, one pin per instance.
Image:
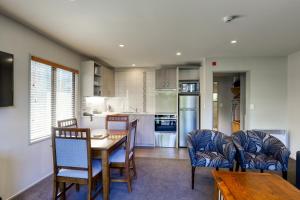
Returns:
(165, 78)
(145, 130)
(137, 85)
(108, 82)
(96, 80)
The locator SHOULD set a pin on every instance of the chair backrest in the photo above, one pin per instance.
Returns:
(255, 141)
(117, 122)
(131, 137)
(71, 149)
(68, 123)
(206, 140)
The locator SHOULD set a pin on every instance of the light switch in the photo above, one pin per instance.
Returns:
(251, 106)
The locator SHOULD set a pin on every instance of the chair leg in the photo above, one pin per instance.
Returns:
(128, 178)
(217, 168)
(89, 192)
(237, 166)
(55, 189)
(62, 188)
(134, 168)
(243, 170)
(261, 171)
(77, 187)
(231, 169)
(193, 176)
(284, 175)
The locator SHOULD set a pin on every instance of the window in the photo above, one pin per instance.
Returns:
(53, 91)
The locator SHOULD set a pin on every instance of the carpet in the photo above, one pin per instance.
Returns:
(158, 179)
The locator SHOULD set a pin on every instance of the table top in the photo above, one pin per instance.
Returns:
(103, 139)
(254, 186)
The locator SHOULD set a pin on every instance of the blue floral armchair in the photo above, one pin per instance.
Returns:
(209, 148)
(259, 150)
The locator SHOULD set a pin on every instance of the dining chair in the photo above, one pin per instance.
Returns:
(117, 122)
(68, 123)
(125, 158)
(72, 162)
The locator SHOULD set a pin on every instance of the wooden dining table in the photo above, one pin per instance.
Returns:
(104, 142)
(252, 186)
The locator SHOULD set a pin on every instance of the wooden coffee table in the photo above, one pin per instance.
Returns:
(252, 186)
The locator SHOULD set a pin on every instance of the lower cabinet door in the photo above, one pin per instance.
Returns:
(139, 131)
(148, 138)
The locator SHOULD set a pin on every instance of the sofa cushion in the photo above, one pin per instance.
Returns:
(211, 159)
(261, 161)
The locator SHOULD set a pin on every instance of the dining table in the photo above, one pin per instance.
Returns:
(252, 186)
(103, 143)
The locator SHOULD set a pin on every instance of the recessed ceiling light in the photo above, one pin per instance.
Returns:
(233, 41)
(133, 65)
(121, 45)
(72, 0)
(178, 54)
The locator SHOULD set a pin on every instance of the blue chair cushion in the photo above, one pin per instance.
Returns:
(211, 159)
(118, 156)
(261, 161)
(96, 169)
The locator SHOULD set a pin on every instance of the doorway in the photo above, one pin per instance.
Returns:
(229, 101)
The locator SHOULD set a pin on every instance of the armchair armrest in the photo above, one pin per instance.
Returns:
(240, 151)
(282, 154)
(229, 150)
(192, 152)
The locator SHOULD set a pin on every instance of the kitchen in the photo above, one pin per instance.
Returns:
(158, 97)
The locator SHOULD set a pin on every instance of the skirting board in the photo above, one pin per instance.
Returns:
(30, 186)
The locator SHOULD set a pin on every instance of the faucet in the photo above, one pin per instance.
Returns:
(133, 108)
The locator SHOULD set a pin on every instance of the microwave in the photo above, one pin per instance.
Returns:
(186, 87)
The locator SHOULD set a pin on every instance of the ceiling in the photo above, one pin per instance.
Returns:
(154, 30)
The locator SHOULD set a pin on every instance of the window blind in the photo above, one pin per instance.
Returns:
(52, 97)
(40, 101)
(65, 95)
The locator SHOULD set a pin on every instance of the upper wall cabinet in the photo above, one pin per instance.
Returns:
(166, 78)
(97, 80)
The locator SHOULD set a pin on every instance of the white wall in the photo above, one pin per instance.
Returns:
(293, 86)
(22, 164)
(265, 89)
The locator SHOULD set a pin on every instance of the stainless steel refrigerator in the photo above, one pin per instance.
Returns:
(189, 119)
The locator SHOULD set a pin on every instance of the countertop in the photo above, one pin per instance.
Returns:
(104, 114)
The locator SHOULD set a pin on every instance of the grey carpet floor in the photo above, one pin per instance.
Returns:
(158, 179)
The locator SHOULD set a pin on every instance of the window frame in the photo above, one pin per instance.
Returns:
(54, 67)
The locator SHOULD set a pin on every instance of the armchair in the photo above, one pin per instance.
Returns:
(208, 148)
(259, 150)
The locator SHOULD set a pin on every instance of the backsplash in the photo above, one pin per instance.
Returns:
(97, 105)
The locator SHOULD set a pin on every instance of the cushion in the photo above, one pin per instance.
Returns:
(118, 156)
(96, 169)
(211, 159)
(261, 161)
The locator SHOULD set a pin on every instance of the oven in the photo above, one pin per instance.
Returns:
(165, 130)
(165, 123)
